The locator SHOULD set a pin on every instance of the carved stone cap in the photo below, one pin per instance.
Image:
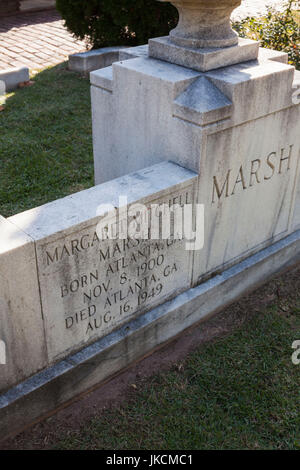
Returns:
(204, 23)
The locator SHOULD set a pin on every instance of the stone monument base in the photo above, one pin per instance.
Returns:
(43, 393)
(196, 144)
(203, 59)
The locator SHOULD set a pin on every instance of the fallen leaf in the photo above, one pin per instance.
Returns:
(27, 83)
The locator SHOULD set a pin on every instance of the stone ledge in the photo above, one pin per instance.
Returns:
(204, 59)
(102, 78)
(270, 54)
(96, 59)
(54, 225)
(86, 62)
(132, 52)
(45, 392)
(12, 77)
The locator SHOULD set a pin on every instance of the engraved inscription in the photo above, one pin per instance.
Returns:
(90, 286)
(258, 171)
(122, 285)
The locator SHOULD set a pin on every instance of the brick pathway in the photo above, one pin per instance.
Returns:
(35, 40)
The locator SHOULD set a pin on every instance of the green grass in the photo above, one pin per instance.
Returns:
(241, 392)
(45, 141)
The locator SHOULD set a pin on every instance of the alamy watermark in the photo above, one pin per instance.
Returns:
(296, 353)
(2, 352)
(152, 222)
(2, 92)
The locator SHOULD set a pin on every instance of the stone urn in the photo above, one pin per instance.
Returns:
(204, 23)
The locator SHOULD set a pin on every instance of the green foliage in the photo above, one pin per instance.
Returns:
(117, 22)
(276, 30)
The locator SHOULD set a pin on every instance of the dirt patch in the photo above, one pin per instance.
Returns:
(282, 291)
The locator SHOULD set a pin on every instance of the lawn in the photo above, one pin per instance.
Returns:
(240, 392)
(45, 141)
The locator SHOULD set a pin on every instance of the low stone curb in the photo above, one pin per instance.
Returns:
(45, 392)
(12, 77)
(86, 62)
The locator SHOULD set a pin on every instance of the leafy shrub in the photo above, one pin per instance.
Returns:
(117, 22)
(276, 30)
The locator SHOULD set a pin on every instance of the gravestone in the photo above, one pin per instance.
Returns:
(199, 120)
(20, 308)
(89, 285)
(215, 104)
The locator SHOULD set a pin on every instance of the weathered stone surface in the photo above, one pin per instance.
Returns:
(296, 215)
(204, 23)
(12, 77)
(90, 286)
(138, 128)
(296, 100)
(21, 324)
(152, 120)
(248, 188)
(45, 392)
(270, 54)
(203, 59)
(263, 54)
(240, 119)
(133, 52)
(95, 59)
(103, 78)
(250, 85)
(203, 38)
(202, 103)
